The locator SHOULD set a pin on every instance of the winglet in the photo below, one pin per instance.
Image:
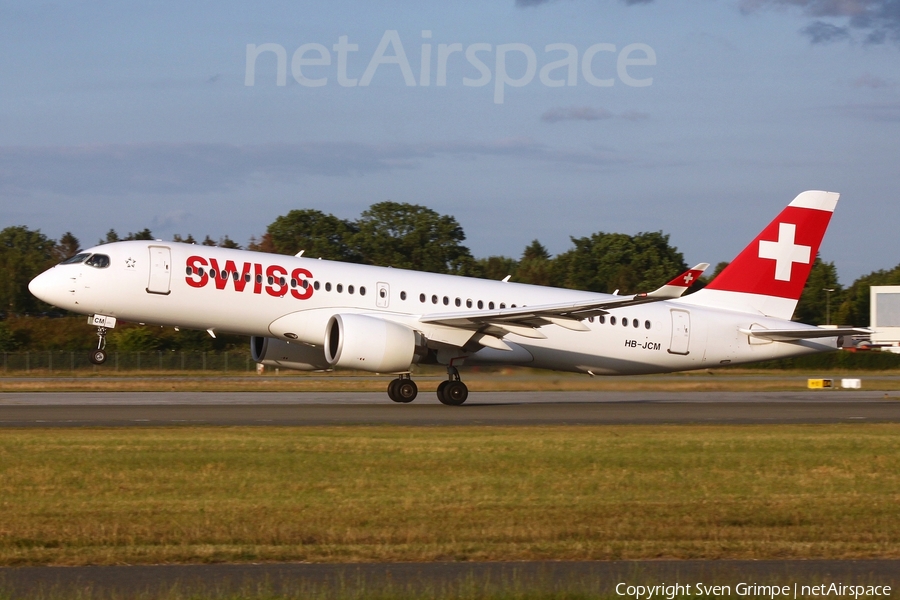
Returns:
(678, 286)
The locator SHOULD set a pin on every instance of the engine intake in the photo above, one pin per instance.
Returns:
(289, 355)
(371, 344)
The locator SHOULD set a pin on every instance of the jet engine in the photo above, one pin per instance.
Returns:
(289, 355)
(372, 344)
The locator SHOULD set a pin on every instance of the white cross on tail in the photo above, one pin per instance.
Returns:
(785, 252)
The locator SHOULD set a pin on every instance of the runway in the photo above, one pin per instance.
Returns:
(298, 580)
(112, 409)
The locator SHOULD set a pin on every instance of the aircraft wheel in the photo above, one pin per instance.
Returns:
(440, 390)
(98, 357)
(392, 390)
(407, 390)
(454, 393)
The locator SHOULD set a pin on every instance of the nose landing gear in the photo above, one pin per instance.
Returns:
(98, 356)
(452, 392)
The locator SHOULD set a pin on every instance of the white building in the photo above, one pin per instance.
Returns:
(885, 315)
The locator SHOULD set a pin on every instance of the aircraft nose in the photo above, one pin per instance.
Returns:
(46, 287)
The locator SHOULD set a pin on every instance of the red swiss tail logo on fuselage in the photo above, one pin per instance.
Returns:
(779, 260)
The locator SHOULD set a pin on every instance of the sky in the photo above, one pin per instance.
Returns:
(524, 119)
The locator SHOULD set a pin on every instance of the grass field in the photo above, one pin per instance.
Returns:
(163, 495)
(492, 380)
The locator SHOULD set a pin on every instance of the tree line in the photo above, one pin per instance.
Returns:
(411, 236)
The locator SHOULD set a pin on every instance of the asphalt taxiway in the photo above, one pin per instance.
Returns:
(114, 409)
(595, 579)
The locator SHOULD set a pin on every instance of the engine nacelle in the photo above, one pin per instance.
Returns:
(371, 344)
(289, 355)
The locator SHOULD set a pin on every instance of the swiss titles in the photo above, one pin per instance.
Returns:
(255, 278)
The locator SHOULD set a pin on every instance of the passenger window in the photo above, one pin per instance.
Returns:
(340, 288)
(491, 305)
(305, 284)
(434, 299)
(270, 280)
(258, 277)
(189, 270)
(469, 303)
(316, 285)
(349, 289)
(512, 305)
(458, 302)
(646, 324)
(403, 295)
(236, 275)
(446, 301)
(590, 319)
(602, 319)
(612, 320)
(636, 323)
(362, 290)
(200, 271)
(327, 286)
(98, 261)
(421, 297)
(281, 280)
(480, 304)
(502, 305)
(624, 322)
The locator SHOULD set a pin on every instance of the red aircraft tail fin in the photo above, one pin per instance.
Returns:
(769, 275)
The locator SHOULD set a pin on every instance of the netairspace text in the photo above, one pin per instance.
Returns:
(512, 65)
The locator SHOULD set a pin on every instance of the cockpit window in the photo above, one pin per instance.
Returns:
(74, 260)
(98, 261)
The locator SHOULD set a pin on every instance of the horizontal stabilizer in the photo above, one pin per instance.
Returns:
(809, 333)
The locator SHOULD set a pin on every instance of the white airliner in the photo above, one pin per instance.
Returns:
(309, 314)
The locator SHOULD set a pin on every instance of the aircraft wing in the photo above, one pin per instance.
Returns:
(809, 333)
(525, 320)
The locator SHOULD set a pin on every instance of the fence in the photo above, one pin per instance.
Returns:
(59, 362)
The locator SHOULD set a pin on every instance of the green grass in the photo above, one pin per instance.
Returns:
(346, 494)
(428, 378)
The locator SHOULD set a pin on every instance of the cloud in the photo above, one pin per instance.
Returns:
(171, 220)
(821, 32)
(634, 115)
(867, 80)
(883, 113)
(876, 20)
(575, 113)
(168, 168)
(588, 113)
(527, 3)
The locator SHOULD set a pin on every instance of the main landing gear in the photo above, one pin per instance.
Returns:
(98, 356)
(453, 391)
(403, 389)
